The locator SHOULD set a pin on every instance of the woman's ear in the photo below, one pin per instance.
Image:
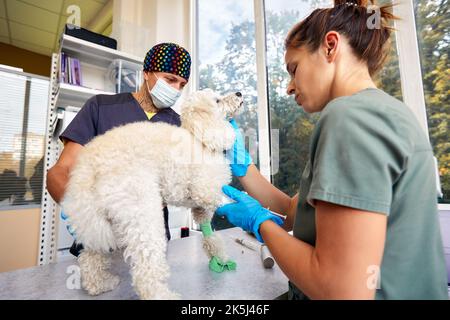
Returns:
(331, 45)
(216, 135)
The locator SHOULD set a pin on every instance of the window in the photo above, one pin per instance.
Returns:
(295, 126)
(232, 65)
(433, 23)
(227, 55)
(227, 62)
(23, 106)
(388, 78)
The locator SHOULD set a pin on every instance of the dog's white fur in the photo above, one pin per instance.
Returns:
(116, 191)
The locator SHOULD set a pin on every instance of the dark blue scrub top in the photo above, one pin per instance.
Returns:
(104, 112)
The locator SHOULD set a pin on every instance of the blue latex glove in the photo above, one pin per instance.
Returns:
(246, 212)
(238, 156)
(68, 227)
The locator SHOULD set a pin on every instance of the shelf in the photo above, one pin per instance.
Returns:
(94, 53)
(75, 95)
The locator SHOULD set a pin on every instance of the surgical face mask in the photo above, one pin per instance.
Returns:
(163, 95)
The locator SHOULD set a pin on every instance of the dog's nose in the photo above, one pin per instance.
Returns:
(239, 94)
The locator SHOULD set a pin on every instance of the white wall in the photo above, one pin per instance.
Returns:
(140, 24)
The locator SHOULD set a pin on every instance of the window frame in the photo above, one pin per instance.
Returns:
(264, 136)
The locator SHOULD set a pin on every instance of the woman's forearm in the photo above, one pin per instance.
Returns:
(294, 257)
(319, 272)
(299, 262)
(291, 213)
(262, 190)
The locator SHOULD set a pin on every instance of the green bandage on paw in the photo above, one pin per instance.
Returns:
(217, 266)
(206, 229)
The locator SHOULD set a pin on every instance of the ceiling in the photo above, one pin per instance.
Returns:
(36, 25)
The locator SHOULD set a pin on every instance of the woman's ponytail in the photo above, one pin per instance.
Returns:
(366, 26)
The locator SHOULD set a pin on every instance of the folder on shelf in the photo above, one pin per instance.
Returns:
(70, 70)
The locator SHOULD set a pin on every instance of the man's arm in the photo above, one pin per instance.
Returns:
(58, 175)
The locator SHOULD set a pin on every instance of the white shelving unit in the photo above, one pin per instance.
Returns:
(72, 95)
(97, 54)
(94, 60)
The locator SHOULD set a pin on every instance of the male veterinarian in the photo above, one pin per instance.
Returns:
(166, 72)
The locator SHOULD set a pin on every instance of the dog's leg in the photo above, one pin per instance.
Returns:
(212, 242)
(95, 277)
(143, 238)
(138, 221)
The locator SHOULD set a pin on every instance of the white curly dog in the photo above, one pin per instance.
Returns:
(122, 179)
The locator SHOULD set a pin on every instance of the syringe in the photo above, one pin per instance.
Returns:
(266, 257)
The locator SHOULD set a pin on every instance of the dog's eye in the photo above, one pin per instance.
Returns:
(217, 100)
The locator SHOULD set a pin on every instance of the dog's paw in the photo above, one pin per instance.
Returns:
(99, 286)
(159, 294)
(169, 295)
(111, 283)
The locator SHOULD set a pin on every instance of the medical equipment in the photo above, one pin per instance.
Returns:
(266, 258)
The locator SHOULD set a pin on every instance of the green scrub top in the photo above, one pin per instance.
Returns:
(369, 152)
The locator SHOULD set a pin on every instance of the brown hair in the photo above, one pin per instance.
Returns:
(351, 19)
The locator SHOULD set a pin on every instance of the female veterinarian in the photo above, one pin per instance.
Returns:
(365, 222)
(166, 72)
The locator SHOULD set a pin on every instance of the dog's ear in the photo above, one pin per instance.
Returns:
(198, 116)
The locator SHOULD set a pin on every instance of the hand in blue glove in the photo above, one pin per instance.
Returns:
(68, 226)
(238, 156)
(246, 212)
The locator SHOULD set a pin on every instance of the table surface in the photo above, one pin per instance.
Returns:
(190, 275)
